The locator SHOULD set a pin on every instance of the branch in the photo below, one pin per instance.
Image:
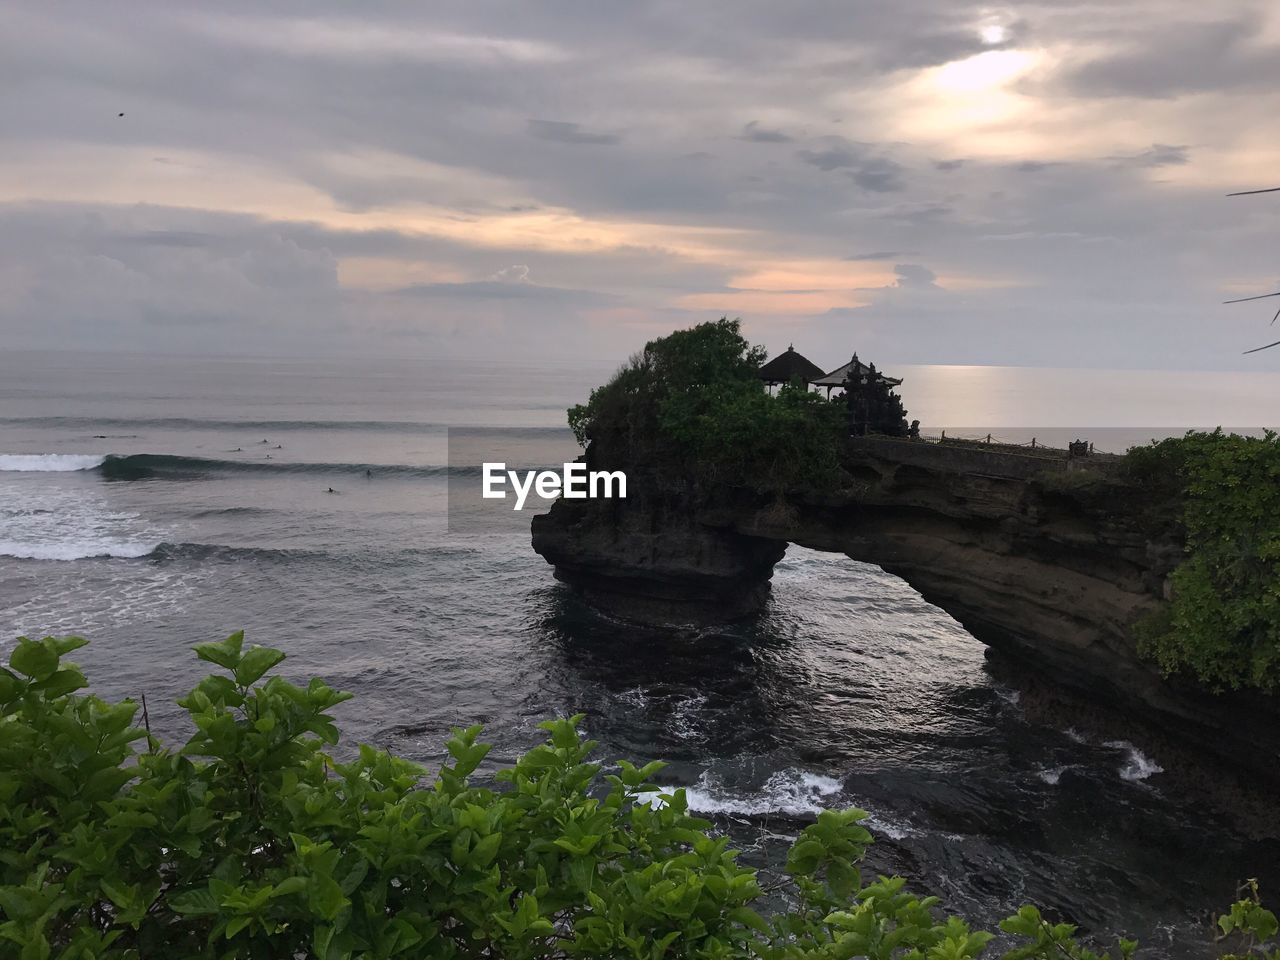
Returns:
(1261, 296)
(1267, 347)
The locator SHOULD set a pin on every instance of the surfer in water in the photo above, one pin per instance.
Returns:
(331, 490)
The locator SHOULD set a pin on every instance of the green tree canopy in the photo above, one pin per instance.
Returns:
(692, 402)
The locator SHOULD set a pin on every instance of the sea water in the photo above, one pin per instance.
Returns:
(154, 503)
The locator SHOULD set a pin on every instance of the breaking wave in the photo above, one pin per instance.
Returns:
(75, 550)
(1136, 765)
(50, 462)
(157, 466)
(791, 791)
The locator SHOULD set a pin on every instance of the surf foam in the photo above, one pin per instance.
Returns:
(1137, 765)
(791, 791)
(83, 550)
(50, 462)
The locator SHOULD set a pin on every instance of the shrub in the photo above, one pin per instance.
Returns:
(252, 842)
(1222, 625)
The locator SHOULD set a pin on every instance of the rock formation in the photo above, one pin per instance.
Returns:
(1050, 561)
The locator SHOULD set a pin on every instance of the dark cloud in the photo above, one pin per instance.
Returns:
(870, 171)
(1035, 166)
(559, 131)
(758, 134)
(879, 175)
(914, 275)
(1157, 155)
(1169, 59)
(874, 255)
(833, 153)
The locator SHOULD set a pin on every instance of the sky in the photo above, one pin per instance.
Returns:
(924, 181)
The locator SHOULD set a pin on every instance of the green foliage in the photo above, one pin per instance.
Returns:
(252, 842)
(692, 399)
(1250, 928)
(1223, 623)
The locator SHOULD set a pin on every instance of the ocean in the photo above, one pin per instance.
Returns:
(152, 503)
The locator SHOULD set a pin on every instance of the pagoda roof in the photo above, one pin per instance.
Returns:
(789, 366)
(854, 368)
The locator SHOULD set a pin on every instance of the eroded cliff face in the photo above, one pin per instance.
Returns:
(1048, 565)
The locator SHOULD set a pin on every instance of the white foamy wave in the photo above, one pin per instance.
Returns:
(794, 792)
(1137, 765)
(1051, 775)
(883, 826)
(790, 792)
(83, 550)
(58, 521)
(50, 462)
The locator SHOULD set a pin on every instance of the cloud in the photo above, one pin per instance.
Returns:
(353, 181)
(1174, 58)
(516, 273)
(875, 255)
(915, 276)
(1034, 166)
(834, 153)
(755, 133)
(1158, 155)
(879, 175)
(559, 131)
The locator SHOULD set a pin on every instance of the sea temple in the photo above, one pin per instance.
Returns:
(874, 407)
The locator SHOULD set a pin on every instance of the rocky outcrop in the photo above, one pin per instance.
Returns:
(1050, 561)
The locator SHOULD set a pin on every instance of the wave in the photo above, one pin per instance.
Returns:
(793, 792)
(159, 466)
(50, 462)
(1137, 765)
(232, 512)
(76, 550)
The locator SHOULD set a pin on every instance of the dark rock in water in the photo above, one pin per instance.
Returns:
(651, 560)
(1049, 564)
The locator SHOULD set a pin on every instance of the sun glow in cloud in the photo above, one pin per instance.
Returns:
(993, 34)
(983, 72)
(952, 103)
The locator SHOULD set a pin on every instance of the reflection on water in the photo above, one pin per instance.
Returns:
(1170, 401)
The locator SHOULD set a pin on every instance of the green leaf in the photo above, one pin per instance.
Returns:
(289, 886)
(62, 682)
(196, 902)
(34, 658)
(10, 686)
(64, 645)
(482, 853)
(255, 663)
(225, 654)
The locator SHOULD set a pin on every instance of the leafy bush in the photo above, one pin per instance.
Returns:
(252, 842)
(693, 400)
(1223, 623)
